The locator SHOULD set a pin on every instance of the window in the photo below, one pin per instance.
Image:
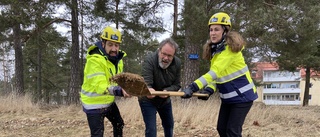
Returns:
(310, 97)
(267, 86)
(272, 85)
(275, 85)
(282, 97)
(254, 74)
(290, 85)
(267, 74)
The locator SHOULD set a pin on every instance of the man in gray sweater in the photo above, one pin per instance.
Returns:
(161, 71)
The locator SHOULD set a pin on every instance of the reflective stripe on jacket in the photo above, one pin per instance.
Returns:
(230, 75)
(98, 69)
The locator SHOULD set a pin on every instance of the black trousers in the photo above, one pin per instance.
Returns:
(149, 112)
(231, 118)
(96, 121)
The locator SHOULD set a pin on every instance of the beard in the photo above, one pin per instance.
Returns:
(113, 53)
(164, 63)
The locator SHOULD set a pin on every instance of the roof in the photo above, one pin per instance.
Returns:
(259, 67)
(313, 73)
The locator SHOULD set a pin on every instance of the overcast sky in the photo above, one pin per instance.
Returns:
(167, 16)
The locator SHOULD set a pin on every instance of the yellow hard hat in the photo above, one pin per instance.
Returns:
(112, 34)
(220, 18)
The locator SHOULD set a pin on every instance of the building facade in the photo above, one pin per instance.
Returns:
(276, 87)
(314, 88)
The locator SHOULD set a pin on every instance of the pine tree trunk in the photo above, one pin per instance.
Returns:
(19, 83)
(75, 60)
(195, 33)
(307, 88)
(175, 18)
(191, 67)
(39, 94)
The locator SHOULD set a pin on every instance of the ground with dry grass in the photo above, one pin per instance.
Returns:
(193, 118)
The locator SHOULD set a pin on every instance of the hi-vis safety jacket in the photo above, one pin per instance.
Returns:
(230, 75)
(94, 91)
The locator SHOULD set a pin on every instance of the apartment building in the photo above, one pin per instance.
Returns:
(277, 87)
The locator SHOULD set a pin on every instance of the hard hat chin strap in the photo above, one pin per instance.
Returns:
(225, 30)
(218, 47)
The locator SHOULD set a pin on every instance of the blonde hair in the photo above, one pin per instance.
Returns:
(233, 39)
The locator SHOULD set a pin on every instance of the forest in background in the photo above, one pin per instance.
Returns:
(37, 59)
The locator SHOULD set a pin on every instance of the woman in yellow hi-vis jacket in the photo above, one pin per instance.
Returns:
(229, 74)
(104, 59)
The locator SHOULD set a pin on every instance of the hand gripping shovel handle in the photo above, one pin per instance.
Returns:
(175, 93)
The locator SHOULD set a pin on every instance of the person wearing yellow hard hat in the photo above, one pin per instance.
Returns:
(228, 74)
(103, 60)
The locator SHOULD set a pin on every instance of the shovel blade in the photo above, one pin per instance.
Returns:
(133, 84)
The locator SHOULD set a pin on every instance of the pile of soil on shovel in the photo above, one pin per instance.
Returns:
(127, 77)
(133, 84)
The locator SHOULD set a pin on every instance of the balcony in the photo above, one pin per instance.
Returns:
(279, 79)
(278, 102)
(281, 90)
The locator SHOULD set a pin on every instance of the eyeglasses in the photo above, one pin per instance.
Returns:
(167, 55)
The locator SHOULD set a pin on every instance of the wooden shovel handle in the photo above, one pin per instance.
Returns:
(175, 93)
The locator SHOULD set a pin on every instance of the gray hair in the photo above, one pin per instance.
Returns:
(171, 42)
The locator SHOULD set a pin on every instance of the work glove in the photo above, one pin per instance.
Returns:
(187, 93)
(208, 91)
(189, 90)
(116, 91)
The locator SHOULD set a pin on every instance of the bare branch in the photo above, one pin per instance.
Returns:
(269, 4)
(37, 30)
